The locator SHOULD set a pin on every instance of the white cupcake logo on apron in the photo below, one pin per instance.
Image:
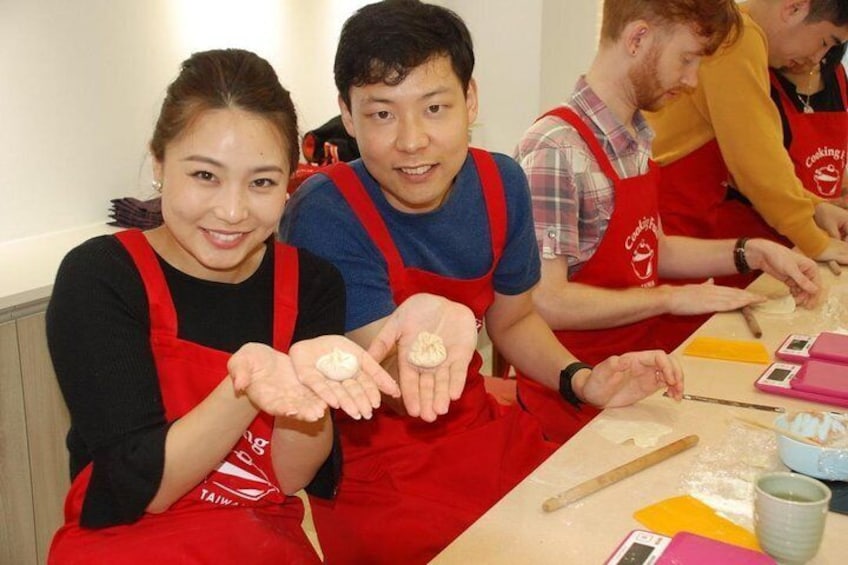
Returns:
(826, 174)
(827, 179)
(642, 245)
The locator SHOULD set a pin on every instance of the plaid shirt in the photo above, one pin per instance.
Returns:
(573, 200)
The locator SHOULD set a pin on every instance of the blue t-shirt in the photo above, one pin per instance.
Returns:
(452, 241)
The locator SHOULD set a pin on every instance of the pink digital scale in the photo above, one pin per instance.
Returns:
(798, 348)
(641, 547)
(816, 379)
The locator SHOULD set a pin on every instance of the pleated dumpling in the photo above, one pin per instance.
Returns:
(338, 365)
(427, 351)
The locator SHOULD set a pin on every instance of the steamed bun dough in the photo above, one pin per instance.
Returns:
(777, 305)
(338, 365)
(427, 351)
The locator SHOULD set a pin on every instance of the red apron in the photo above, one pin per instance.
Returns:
(238, 513)
(625, 258)
(693, 202)
(819, 142)
(410, 487)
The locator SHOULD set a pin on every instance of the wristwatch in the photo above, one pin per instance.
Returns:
(739, 258)
(565, 376)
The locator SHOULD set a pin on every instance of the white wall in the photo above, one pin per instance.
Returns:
(529, 55)
(82, 81)
(570, 32)
(79, 85)
(507, 45)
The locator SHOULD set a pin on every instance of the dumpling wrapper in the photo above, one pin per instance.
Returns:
(338, 365)
(427, 351)
(778, 305)
(643, 434)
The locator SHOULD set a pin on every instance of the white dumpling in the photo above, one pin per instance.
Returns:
(338, 365)
(779, 305)
(427, 351)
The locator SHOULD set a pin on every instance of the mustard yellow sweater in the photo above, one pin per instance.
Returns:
(732, 104)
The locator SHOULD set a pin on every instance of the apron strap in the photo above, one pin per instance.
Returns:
(163, 315)
(788, 105)
(493, 193)
(348, 184)
(570, 117)
(286, 284)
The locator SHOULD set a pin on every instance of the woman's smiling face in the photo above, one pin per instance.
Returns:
(223, 191)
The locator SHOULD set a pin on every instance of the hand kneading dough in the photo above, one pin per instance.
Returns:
(427, 351)
(338, 365)
(779, 305)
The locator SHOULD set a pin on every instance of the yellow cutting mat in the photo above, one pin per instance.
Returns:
(688, 514)
(728, 350)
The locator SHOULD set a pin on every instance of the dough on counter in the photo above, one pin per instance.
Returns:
(643, 434)
(338, 365)
(427, 351)
(777, 305)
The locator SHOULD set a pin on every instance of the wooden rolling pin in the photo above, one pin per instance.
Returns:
(621, 472)
(751, 322)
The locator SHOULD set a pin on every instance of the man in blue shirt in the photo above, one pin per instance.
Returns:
(421, 213)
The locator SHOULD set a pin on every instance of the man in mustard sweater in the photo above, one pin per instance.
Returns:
(725, 172)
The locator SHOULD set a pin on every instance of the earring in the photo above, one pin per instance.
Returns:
(157, 185)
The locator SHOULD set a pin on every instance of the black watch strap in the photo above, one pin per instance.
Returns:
(565, 376)
(739, 258)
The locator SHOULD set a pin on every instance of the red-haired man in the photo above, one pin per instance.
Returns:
(596, 210)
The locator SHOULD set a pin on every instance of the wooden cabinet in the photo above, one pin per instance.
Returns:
(33, 458)
(17, 529)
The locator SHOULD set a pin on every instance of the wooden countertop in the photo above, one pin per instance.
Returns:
(516, 530)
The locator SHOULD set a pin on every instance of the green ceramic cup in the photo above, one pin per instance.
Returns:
(789, 515)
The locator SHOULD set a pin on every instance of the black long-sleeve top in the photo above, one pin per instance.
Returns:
(98, 328)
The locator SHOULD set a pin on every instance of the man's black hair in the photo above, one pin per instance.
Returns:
(384, 42)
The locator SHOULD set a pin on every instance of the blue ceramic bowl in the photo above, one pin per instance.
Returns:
(820, 462)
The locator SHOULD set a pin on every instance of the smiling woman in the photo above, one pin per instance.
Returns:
(222, 184)
(223, 150)
(181, 351)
